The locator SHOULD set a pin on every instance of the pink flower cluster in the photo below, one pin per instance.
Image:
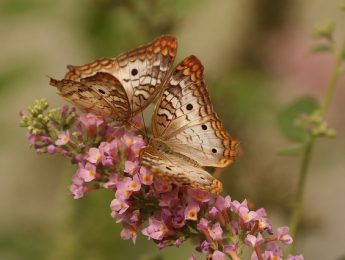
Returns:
(164, 212)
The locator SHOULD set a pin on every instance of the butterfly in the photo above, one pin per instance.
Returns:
(187, 134)
(121, 87)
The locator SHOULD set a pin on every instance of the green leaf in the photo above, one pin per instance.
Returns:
(293, 150)
(286, 118)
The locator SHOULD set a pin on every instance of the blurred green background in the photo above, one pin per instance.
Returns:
(257, 62)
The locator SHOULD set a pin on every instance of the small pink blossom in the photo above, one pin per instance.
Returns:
(218, 255)
(223, 203)
(87, 172)
(131, 167)
(191, 211)
(146, 177)
(216, 232)
(129, 232)
(156, 230)
(247, 215)
(63, 138)
(119, 206)
(51, 149)
(282, 234)
(199, 195)
(94, 155)
(253, 241)
(162, 186)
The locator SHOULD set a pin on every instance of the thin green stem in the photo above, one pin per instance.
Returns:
(298, 201)
(332, 82)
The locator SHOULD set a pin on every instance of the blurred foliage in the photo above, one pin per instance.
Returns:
(287, 118)
(12, 75)
(15, 7)
(111, 25)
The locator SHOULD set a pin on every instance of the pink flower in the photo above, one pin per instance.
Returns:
(146, 177)
(134, 184)
(156, 230)
(90, 122)
(129, 232)
(169, 199)
(218, 255)
(107, 150)
(87, 172)
(223, 203)
(204, 248)
(119, 206)
(235, 205)
(77, 188)
(112, 181)
(162, 186)
(177, 217)
(247, 215)
(94, 155)
(283, 236)
(51, 149)
(191, 211)
(123, 192)
(131, 167)
(199, 195)
(203, 224)
(253, 241)
(273, 251)
(63, 138)
(216, 232)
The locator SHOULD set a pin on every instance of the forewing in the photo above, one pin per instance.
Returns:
(101, 94)
(185, 120)
(177, 170)
(141, 71)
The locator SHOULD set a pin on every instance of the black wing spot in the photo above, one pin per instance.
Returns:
(101, 91)
(189, 107)
(214, 150)
(134, 72)
(80, 90)
(168, 168)
(204, 127)
(202, 178)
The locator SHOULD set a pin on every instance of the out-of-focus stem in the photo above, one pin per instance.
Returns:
(333, 81)
(297, 205)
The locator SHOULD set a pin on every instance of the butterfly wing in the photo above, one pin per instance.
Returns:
(184, 118)
(141, 71)
(101, 94)
(177, 170)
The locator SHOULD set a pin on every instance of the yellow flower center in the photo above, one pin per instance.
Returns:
(246, 217)
(91, 173)
(133, 184)
(192, 214)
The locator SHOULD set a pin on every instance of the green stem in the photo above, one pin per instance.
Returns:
(297, 204)
(332, 82)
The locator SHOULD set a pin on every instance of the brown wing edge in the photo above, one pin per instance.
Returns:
(167, 42)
